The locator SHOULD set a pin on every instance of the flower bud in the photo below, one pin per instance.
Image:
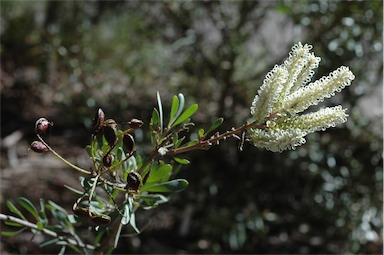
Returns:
(39, 147)
(133, 181)
(135, 123)
(110, 135)
(81, 212)
(108, 160)
(129, 143)
(42, 125)
(98, 122)
(101, 220)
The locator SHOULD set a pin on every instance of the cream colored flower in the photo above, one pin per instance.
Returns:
(286, 92)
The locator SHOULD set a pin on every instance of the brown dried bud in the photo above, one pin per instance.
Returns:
(135, 123)
(42, 125)
(110, 135)
(108, 160)
(129, 143)
(110, 123)
(101, 220)
(133, 181)
(98, 122)
(39, 147)
(81, 212)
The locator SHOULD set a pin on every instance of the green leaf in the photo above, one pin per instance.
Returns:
(174, 109)
(28, 206)
(200, 132)
(160, 111)
(16, 211)
(12, 233)
(13, 224)
(49, 242)
(155, 117)
(186, 114)
(133, 223)
(170, 186)
(182, 161)
(73, 190)
(161, 173)
(215, 124)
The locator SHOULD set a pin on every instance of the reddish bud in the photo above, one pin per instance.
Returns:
(81, 212)
(39, 147)
(135, 123)
(133, 181)
(42, 125)
(129, 143)
(110, 135)
(98, 122)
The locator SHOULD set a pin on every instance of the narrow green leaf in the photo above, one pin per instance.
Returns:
(13, 224)
(73, 190)
(155, 117)
(186, 114)
(12, 233)
(13, 209)
(215, 124)
(40, 225)
(160, 111)
(28, 206)
(174, 109)
(133, 223)
(182, 161)
(49, 242)
(62, 250)
(117, 236)
(170, 186)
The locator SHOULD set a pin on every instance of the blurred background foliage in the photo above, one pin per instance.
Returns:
(63, 59)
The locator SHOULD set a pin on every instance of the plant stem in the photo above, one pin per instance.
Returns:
(204, 144)
(45, 231)
(63, 159)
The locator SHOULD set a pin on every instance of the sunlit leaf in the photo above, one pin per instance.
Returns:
(186, 114)
(161, 173)
(174, 109)
(126, 216)
(160, 111)
(200, 132)
(182, 161)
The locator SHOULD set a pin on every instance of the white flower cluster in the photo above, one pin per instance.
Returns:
(286, 91)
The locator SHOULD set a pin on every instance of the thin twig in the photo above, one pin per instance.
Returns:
(45, 231)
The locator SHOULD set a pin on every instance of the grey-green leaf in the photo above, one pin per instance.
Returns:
(215, 124)
(170, 186)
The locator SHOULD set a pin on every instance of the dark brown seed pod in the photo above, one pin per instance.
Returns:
(81, 212)
(135, 123)
(42, 125)
(133, 181)
(108, 160)
(98, 122)
(101, 219)
(39, 147)
(110, 135)
(129, 143)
